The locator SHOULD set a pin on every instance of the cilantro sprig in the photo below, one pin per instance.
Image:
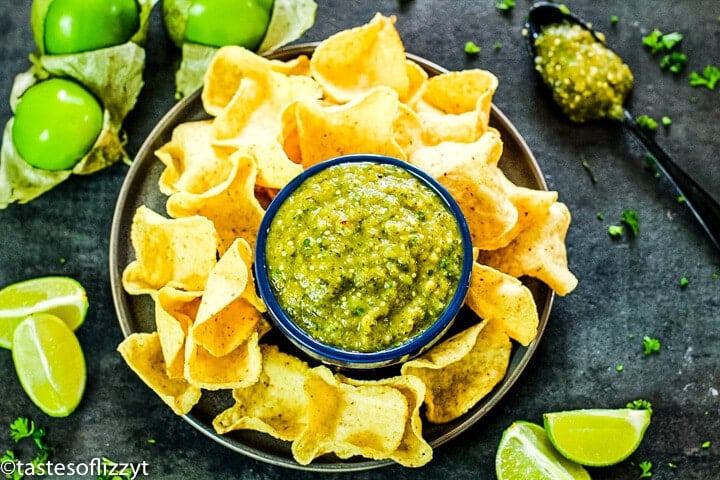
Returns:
(24, 428)
(708, 78)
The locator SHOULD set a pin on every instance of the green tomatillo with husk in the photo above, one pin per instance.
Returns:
(96, 48)
(200, 27)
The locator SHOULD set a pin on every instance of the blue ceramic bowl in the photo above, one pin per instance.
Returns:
(354, 359)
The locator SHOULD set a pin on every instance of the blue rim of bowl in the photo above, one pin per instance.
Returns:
(352, 359)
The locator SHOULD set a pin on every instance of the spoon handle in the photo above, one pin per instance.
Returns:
(705, 208)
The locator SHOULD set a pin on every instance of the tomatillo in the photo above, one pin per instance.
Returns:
(74, 26)
(56, 123)
(218, 23)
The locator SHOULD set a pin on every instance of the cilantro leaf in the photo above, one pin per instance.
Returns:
(709, 77)
(654, 41)
(646, 468)
(674, 62)
(669, 40)
(650, 345)
(630, 218)
(615, 230)
(505, 5)
(646, 122)
(471, 48)
(21, 427)
(640, 404)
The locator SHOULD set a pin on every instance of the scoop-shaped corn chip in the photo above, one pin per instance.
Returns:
(231, 64)
(367, 420)
(143, 354)
(538, 251)
(470, 173)
(175, 312)
(239, 368)
(462, 91)
(231, 206)
(275, 168)
(413, 450)
(462, 370)
(364, 125)
(497, 297)
(276, 404)
(351, 62)
(417, 76)
(192, 163)
(254, 114)
(178, 253)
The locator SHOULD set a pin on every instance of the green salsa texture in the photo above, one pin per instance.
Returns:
(364, 256)
(588, 80)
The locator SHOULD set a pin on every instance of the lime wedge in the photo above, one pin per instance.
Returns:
(597, 437)
(49, 363)
(525, 453)
(63, 297)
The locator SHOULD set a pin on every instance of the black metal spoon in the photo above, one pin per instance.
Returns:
(705, 208)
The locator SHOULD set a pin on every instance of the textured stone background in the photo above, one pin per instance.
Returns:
(628, 287)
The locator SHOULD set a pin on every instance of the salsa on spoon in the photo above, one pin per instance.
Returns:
(589, 81)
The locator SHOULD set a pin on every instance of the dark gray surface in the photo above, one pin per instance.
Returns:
(628, 288)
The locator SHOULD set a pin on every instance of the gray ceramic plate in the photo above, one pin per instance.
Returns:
(136, 313)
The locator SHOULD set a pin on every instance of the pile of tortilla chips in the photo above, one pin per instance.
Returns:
(358, 93)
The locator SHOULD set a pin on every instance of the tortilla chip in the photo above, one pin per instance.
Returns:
(254, 113)
(469, 172)
(276, 404)
(462, 91)
(462, 370)
(367, 420)
(143, 354)
(275, 168)
(413, 450)
(177, 253)
(538, 251)
(417, 76)
(239, 368)
(231, 64)
(497, 297)
(175, 312)
(192, 163)
(230, 206)
(354, 61)
(364, 125)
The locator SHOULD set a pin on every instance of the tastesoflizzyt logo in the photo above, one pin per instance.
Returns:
(95, 467)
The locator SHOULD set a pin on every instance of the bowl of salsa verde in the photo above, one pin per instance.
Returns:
(363, 261)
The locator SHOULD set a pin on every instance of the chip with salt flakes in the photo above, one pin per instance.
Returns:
(414, 451)
(497, 297)
(231, 64)
(470, 173)
(174, 313)
(177, 253)
(538, 251)
(350, 63)
(192, 163)
(239, 368)
(276, 404)
(230, 206)
(462, 370)
(346, 420)
(364, 125)
(143, 354)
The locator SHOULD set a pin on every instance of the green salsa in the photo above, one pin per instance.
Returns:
(588, 80)
(364, 256)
